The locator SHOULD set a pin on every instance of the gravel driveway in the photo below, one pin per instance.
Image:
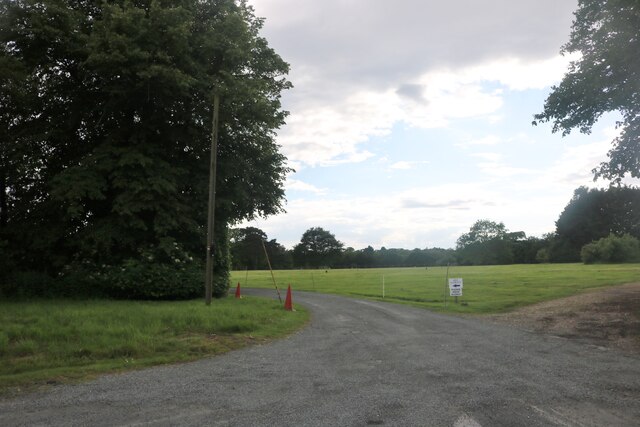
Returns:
(364, 363)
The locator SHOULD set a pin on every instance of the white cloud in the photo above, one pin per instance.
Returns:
(406, 165)
(408, 218)
(486, 140)
(518, 74)
(361, 67)
(330, 133)
(492, 157)
(296, 185)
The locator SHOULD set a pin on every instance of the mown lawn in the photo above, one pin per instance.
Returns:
(487, 289)
(50, 341)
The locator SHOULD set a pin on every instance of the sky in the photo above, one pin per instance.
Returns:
(410, 120)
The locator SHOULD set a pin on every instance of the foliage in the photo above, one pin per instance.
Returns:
(592, 214)
(317, 248)
(26, 284)
(605, 78)
(482, 231)
(612, 249)
(135, 279)
(488, 242)
(247, 250)
(44, 340)
(117, 156)
(542, 255)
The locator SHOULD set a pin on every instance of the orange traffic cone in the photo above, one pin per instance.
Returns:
(288, 304)
(238, 291)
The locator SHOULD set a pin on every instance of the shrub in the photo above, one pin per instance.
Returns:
(136, 279)
(542, 256)
(612, 249)
(26, 284)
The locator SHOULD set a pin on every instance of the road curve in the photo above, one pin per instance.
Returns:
(364, 363)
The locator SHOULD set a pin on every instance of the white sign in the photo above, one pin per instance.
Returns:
(455, 284)
(455, 287)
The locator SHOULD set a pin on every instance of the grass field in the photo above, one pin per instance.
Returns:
(50, 341)
(487, 289)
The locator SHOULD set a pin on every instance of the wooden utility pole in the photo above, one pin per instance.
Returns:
(208, 280)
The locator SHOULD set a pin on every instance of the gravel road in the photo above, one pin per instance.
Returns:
(364, 363)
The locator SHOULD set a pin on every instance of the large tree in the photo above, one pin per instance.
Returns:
(592, 214)
(317, 248)
(106, 122)
(487, 242)
(606, 77)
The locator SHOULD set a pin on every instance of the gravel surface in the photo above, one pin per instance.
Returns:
(364, 363)
(608, 317)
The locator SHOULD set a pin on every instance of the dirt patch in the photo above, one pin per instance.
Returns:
(607, 317)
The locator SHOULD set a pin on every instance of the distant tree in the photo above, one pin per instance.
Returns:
(247, 251)
(592, 214)
(482, 231)
(488, 242)
(281, 258)
(317, 248)
(347, 259)
(391, 257)
(605, 78)
(365, 258)
(526, 251)
(246, 248)
(417, 258)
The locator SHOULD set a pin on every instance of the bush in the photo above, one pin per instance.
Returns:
(133, 279)
(26, 284)
(143, 280)
(612, 249)
(162, 272)
(542, 256)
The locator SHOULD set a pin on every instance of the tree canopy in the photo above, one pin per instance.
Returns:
(592, 214)
(247, 251)
(489, 242)
(317, 248)
(605, 78)
(106, 120)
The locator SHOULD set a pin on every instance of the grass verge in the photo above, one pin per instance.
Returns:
(487, 289)
(53, 341)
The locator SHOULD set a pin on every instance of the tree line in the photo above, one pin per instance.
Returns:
(597, 225)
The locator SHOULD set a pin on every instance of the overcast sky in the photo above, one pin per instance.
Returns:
(411, 119)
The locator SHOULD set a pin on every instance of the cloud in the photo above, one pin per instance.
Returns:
(486, 140)
(373, 43)
(413, 92)
(409, 218)
(492, 157)
(450, 204)
(296, 185)
(361, 67)
(406, 165)
(333, 133)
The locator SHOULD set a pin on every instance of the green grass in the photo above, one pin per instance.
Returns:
(50, 341)
(487, 289)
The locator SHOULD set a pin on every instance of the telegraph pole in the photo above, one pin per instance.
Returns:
(208, 280)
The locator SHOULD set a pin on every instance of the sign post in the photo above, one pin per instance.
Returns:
(455, 288)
